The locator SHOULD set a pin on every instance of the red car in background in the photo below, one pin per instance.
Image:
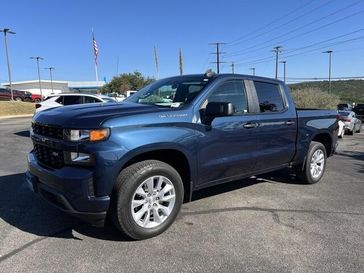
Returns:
(37, 98)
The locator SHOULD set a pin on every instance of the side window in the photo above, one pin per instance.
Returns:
(231, 91)
(69, 100)
(90, 99)
(60, 100)
(269, 97)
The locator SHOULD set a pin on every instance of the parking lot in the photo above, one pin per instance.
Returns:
(268, 223)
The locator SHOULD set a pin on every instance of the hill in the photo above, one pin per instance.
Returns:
(348, 91)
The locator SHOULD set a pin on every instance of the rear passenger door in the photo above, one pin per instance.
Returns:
(276, 133)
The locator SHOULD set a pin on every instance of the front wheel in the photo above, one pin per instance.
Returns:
(148, 196)
(314, 167)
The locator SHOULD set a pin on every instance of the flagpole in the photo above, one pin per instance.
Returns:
(96, 73)
(156, 61)
(95, 49)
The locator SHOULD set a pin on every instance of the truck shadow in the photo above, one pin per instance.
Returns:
(286, 176)
(25, 133)
(22, 209)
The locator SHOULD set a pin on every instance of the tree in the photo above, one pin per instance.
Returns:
(314, 98)
(126, 81)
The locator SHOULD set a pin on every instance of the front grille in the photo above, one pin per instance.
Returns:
(48, 130)
(49, 156)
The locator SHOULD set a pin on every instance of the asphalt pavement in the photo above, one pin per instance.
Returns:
(269, 223)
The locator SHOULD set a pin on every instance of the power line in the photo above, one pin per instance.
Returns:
(231, 43)
(253, 48)
(265, 59)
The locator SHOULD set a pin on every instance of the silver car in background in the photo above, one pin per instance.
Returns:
(351, 122)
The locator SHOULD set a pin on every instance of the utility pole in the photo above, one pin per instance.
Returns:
(37, 58)
(218, 53)
(284, 70)
(180, 61)
(330, 55)
(233, 67)
(6, 31)
(253, 69)
(50, 73)
(277, 50)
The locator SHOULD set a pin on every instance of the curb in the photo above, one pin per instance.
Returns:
(17, 116)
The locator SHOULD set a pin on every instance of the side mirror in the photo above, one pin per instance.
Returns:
(216, 109)
(219, 109)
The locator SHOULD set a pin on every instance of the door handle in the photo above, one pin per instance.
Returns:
(289, 122)
(250, 125)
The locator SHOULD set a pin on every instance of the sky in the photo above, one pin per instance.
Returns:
(60, 32)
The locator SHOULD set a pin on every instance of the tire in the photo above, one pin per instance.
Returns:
(134, 180)
(18, 99)
(358, 131)
(304, 173)
(37, 100)
(351, 132)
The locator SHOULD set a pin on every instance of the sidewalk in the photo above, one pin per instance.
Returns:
(17, 116)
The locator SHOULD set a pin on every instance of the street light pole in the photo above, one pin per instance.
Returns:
(50, 73)
(6, 31)
(284, 70)
(330, 53)
(40, 84)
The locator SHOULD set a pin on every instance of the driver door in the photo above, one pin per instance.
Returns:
(227, 147)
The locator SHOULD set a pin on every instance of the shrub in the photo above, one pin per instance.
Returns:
(314, 98)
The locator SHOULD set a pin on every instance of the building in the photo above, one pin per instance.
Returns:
(56, 87)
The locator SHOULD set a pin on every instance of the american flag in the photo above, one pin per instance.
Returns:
(96, 49)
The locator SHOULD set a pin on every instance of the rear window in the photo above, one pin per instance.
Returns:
(269, 97)
(91, 99)
(70, 100)
(344, 114)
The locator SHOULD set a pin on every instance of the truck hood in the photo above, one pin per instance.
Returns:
(90, 115)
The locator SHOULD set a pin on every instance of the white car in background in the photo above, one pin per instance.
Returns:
(60, 100)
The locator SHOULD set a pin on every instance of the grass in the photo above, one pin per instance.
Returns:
(10, 108)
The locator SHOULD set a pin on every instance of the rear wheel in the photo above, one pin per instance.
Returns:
(37, 100)
(314, 167)
(351, 132)
(147, 199)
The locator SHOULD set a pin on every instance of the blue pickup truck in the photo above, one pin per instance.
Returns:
(140, 159)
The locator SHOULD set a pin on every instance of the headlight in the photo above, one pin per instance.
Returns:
(90, 135)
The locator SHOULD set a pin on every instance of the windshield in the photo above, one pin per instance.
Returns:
(107, 100)
(171, 92)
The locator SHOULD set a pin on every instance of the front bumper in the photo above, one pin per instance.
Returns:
(70, 189)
